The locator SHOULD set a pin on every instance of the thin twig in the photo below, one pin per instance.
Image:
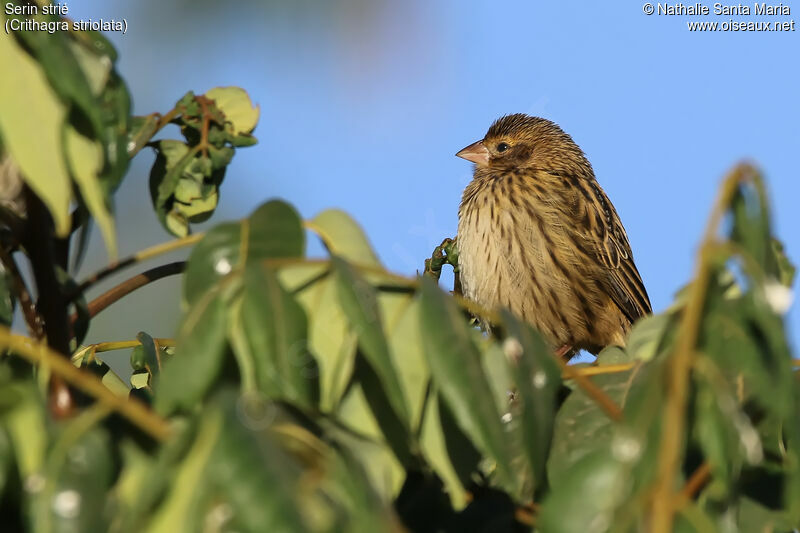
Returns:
(593, 391)
(163, 120)
(39, 353)
(680, 363)
(603, 369)
(128, 286)
(32, 319)
(696, 481)
(47, 253)
(116, 345)
(138, 257)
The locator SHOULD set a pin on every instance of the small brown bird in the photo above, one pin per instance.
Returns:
(537, 235)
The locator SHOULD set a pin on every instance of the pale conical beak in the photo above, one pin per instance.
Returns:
(477, 153)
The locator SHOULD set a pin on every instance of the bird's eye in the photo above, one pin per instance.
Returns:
(502, 147)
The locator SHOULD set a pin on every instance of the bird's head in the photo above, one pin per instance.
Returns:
(523, 142)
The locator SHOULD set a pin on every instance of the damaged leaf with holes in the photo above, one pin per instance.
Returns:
(187, 174)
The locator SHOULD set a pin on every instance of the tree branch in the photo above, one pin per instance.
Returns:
(138, 257)
(46, 253)
(128, 286)
(132, 409)
(32, 319)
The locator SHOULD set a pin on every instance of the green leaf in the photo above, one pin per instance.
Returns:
(86, 161)
(344, 237)
(272, 333)
(369, 442)
(31, 124)
(645, 339)
(455, 365)
(273, 231)
(253, 475)
(115, 102)
(79, 470)
(238, 109)
(96, 68)
(152, 358)
(408, 355)
(347, 483)
(141, 131)
(753, 516)
(330, 338)
(55, 53)
(786, 270)
(587, 495)
(23, 416)
(359, 301)
(581, 425)
(537, 378)
(201, 347)
(180, 509)
(434, 444)
(715, 430)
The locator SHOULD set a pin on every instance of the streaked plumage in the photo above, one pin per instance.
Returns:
(537, 235)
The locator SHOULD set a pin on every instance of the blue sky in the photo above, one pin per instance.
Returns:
(364, 103)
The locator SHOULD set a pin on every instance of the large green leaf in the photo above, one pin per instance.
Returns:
(360, 303)
(591, 491)
(344, 237)
(79, 470)
(455, 365)
(85, 158)
(23, 416)
(359, 432)
(330, 337)
(202, 344)
(582, 426)
(404, 330)
(537, 378)
(31, 124)
(181, 509)
(272, 333)
(433, 442)
(253, 475)
(273, 231)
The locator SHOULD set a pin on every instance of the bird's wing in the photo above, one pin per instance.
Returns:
(600, 229)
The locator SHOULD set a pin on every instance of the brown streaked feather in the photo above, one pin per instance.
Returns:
(609, 240)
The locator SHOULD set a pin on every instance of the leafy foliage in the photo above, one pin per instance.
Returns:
(329, 394)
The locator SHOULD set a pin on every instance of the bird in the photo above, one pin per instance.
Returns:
(539, 236)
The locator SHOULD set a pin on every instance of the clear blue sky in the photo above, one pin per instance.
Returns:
(364, 103)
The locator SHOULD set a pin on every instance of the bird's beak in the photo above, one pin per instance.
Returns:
(477, 153)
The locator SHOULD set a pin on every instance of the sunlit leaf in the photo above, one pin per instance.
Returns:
(31, 124)
(582, 426)
(455, 365)
(85, 158)
(273, 231)
(344, 237)
(238, 109)
(359, 301)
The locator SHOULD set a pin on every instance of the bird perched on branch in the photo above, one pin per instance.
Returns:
(537, 235)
